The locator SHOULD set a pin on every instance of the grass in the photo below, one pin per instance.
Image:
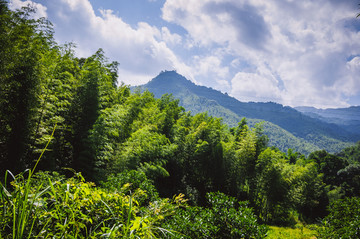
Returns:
(21, 201)
(299, 232)
(41, 206)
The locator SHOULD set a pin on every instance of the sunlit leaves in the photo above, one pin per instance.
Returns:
(224, 217)
(74, 208)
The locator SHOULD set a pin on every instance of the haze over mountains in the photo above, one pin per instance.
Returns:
(304, 129)
(347, 118)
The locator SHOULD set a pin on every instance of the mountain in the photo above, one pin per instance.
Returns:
(346, 118)
(285, 126)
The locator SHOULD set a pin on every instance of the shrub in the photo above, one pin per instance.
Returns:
(51, 206)
(343, 220)
(224, 217)
(133, 179)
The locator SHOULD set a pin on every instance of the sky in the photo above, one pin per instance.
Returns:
(296, 53)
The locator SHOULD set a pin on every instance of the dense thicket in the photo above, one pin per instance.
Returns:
(114, 137)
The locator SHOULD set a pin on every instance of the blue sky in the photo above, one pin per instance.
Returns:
(297, 53)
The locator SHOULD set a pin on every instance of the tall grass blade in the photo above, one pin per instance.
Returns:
(21, 200)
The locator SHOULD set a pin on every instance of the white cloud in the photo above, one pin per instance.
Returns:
(302, 52)
(141, 50)
(304, 45)
(40, 9)
(169, 38)
(210, 67)
(203, 28)
(254, 87)
(210, 64)
(352, 84)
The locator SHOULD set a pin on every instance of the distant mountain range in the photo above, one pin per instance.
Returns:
(304, 129)
(346, 118)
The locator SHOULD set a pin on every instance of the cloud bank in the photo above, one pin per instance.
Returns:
(142, 51)
(292, 52)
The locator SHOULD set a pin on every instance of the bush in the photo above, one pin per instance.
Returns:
(343, 220)
(223, 218)
(50, 206)
(133, 180)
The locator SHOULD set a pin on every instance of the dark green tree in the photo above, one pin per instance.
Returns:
(223, 217)
(23, 43)
(343, 220)
(96, 92)
(329, 165)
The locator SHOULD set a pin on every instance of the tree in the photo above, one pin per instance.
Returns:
(343, 220)
(58, 88)
(200, 153)
(147, 151)
(171, 111)
(350, 180)
(223, 217)
(329, 165)
(271, 191)
(308, 194)
(23, 43)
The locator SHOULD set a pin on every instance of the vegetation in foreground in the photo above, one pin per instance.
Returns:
(299, 232)
(51, 206)
(139, 151)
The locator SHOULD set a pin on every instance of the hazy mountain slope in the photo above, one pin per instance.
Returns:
(339, 116)
(286, 126)
(346, 118)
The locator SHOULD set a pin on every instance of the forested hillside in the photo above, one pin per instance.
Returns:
(83, 157)
(285, 126)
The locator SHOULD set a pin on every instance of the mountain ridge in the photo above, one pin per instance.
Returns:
(346, 118)
(308, 130)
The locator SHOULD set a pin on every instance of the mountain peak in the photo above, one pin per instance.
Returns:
(200, 98)
(169, 74)
(169, 77)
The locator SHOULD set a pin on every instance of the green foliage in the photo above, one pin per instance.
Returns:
(307, 193)
(171, 113)
(352, 153)
(199, 155)
(23, 42)
(43, 84)
(340, 171)
(52, 206)
(133, 180)
(146, 150)
(224, 217)
(271, 195)
(343, 220)
(285, 126)
(17, 206)
(329, 165)
(350, 180)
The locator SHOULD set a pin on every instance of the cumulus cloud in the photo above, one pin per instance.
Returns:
(304, 45)
(170, 38)
(243, 19)
(210, 67)
(142, 50)
(40, 9)
(254, 87)
(293, 52)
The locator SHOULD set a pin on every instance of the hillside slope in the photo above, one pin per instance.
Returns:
(346, 118)
(285, 126)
